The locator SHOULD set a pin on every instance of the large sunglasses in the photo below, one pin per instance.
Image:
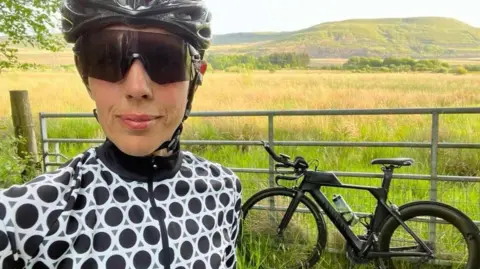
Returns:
(108, 54)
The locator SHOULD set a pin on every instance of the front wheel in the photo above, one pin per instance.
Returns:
(450, 234)
(301, 243)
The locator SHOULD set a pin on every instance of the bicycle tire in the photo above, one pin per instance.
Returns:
(451, 215)
(320, 225)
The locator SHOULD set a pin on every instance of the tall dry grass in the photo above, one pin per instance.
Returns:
(64, 91)
(285, 90)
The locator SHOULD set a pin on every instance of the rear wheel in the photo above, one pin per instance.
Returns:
(453, 238)
(301, 243)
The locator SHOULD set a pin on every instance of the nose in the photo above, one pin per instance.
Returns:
(137, 83)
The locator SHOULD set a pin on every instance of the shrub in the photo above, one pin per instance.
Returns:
(12, 166)
(460, 70)
(442, 70)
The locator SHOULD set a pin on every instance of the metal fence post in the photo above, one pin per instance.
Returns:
(43, 136)
(57, 152)
(271, 164)
(433, 172)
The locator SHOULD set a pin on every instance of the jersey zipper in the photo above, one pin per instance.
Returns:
(161, 219)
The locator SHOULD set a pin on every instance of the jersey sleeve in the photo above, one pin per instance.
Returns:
(231, 259)
(30, 210)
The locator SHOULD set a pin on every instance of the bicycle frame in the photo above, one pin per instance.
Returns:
(312, 183)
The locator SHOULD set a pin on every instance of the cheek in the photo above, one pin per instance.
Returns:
(104, 94)
(173, 98)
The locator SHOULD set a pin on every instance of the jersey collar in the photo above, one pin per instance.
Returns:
(133, 168)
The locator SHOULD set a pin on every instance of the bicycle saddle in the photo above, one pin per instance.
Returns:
(393, 161)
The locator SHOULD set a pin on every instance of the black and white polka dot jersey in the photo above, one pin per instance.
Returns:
(106, 209)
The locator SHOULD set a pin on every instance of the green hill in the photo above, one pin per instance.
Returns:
(420, 37)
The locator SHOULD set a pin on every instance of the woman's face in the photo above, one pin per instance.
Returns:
(137, 114)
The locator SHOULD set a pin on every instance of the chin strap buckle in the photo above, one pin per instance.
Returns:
(172, 144)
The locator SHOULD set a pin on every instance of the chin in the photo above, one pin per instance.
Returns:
(135, 147)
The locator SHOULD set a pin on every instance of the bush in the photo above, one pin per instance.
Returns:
(473, 68)
(12, 166)
(236, 69)
(392, 64)
(460, 70)
(276, 60)
(384, 69)
(421, 67)
(399, 61)
(358, 62)
(402, 68)
(442, 70)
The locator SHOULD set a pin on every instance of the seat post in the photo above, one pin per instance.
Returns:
(387, 178)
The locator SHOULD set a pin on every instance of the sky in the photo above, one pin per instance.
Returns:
(232, 16)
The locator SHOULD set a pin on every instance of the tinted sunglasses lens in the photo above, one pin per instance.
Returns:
(167, 58)
(101, 56)
(107, 55)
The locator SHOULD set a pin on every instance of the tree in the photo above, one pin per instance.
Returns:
(27, 22)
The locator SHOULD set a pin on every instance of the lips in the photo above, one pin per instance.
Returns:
(138, 121)
(137, 117)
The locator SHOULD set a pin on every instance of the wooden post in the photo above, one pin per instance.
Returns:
(24, 130)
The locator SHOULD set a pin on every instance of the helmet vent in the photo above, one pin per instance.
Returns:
(190, 15)
(205, 32)
(183, 16)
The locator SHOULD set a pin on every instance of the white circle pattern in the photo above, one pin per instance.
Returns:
(83, 215)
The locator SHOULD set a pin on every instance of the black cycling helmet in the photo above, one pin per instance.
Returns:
(189, 19)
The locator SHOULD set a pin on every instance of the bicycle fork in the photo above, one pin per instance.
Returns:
(289, 213)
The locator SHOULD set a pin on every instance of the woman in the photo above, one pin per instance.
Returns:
(137, 200)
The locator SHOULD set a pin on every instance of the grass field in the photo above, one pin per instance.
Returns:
(286, 90)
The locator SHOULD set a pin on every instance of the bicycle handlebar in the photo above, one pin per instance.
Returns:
(275, 156)
(299, 164)
(281, 165)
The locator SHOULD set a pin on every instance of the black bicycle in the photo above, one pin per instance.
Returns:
(283, 237)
